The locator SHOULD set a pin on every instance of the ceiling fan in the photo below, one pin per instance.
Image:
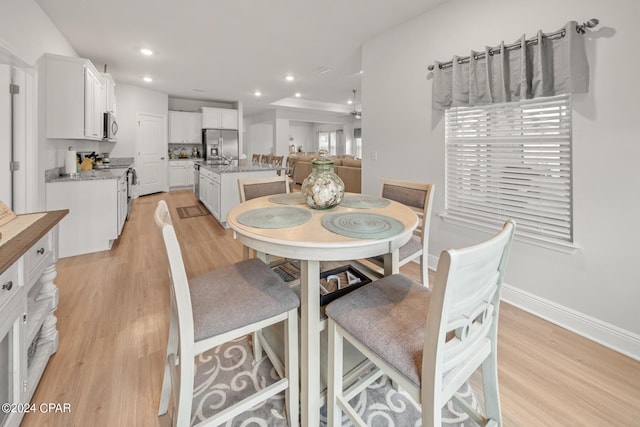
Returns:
(355, 114)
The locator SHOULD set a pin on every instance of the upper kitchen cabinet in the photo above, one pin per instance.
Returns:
(110, 93)
(219, 118)
(74, 95)
(185, 127)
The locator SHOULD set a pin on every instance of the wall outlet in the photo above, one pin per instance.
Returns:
(374, 155)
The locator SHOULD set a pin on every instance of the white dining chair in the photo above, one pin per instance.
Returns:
(419, 197)
(428, 342)
(252, 188)
(218, 307)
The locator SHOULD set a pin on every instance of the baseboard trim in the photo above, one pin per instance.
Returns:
(610, 336)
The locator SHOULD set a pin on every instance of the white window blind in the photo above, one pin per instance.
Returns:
(512, 160)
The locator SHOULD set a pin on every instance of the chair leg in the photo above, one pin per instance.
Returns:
(424, 270)
(292, 394)
(257, 346)
(490, 388)
(172, 349)
(334, 386)
(182, 412)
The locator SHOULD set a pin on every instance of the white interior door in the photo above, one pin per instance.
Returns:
(5, 136)
(151, 163)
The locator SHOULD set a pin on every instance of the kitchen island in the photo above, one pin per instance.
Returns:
(219, 185)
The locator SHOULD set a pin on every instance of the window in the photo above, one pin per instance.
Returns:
(327, 141)
(512, 160)
(357, 137)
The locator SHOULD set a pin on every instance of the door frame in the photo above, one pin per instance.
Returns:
(28, 184)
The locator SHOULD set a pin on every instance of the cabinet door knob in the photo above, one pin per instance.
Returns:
(40, 251)
(8, 285)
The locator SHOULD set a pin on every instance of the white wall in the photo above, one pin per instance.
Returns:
(130, 101)
(27, 33)
(595, 291)
(302, 134)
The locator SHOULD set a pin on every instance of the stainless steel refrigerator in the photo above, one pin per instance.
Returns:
(220, 143)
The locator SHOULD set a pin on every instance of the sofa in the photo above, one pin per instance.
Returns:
(346, 167)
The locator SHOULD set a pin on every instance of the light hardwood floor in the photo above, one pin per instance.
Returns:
(113, 317)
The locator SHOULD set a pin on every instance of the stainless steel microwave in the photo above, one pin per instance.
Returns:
(110, 126)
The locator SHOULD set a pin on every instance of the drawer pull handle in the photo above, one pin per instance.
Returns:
(40, 251)
(8, 285)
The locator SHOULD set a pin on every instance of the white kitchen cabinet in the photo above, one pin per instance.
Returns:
(109, 93)
(74, 98)
(93, 221)
(185, 127)
(219, 191)
(122, 202)
(180, 173)
(219, 118)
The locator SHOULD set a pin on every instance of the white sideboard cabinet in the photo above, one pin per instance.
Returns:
(28, 300)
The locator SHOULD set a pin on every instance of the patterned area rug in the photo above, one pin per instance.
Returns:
(192, 211)
(227, 373)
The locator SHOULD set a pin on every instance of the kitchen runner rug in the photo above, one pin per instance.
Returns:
(228, 373)
(192, 211)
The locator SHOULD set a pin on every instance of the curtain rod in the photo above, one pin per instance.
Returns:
(580, 29)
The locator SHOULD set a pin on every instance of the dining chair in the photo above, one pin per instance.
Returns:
(255, 159)
(251, 188)
(218, 307)
(419, 197)
(427, 341)
(265, 159)
(290, 164)
(276, 161)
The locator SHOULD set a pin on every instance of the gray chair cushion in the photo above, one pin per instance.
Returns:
(238, 295)
(389, 317)
(406, 251)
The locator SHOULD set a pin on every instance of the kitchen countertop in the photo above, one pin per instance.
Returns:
(113, 170)
(195, 159)
(236, 169)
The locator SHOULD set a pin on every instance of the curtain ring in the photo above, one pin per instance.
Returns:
(491, 52)
(563, 33)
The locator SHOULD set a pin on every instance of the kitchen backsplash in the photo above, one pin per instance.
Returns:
(184, 151)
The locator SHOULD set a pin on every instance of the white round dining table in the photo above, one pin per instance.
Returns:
(311, 243)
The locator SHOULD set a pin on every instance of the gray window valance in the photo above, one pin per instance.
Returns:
(542, 66)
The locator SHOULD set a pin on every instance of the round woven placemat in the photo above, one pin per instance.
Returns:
(363, 201)
(277, 217)
(362, 225)
(288, 199)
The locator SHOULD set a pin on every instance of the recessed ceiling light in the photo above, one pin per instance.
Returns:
(298, 95)
(361, 72)
(349, 102)
(257, 93)
(145, 51)
(147, 79)
(198, 90)
(289, 78)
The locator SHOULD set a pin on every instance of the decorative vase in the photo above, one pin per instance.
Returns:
(322, 189)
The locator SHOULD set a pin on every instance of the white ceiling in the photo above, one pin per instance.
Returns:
(227, 49)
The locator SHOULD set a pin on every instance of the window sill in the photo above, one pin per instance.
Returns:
(563, 247)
